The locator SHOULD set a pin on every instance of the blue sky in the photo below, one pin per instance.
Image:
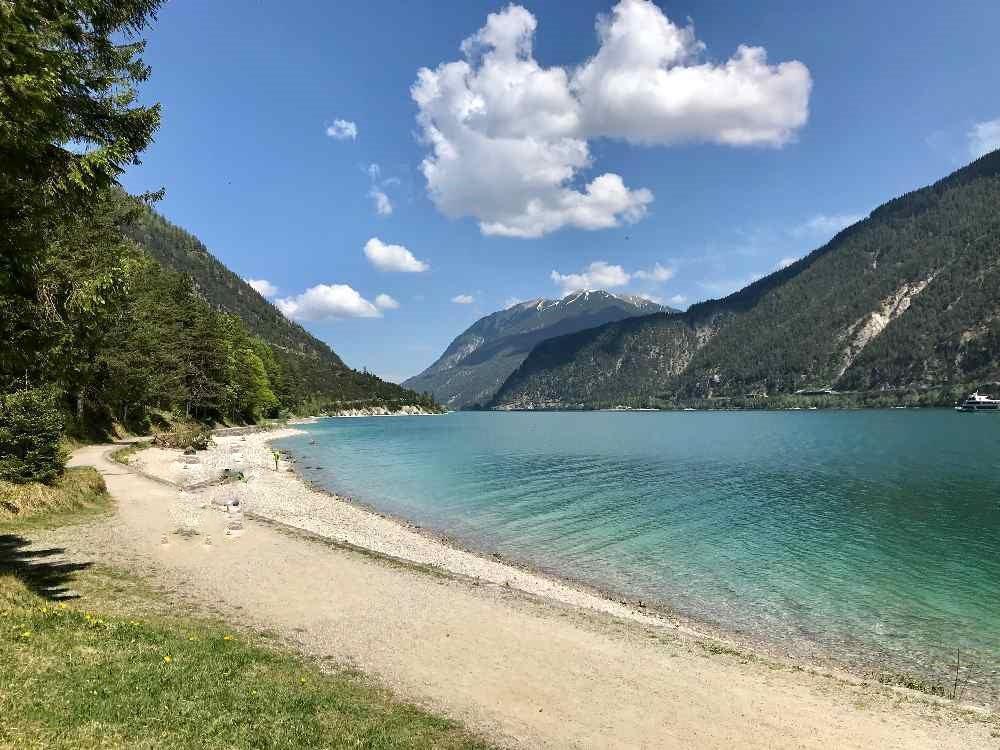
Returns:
(658, 159)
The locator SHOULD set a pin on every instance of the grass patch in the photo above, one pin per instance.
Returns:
(716, 649)
(913, 682)
(194, 437)
(124, 455)
(79, 493)
(72, 677)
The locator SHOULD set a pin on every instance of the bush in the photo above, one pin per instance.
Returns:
(194, 438)
(30, 430)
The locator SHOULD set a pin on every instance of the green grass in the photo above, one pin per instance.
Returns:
(72, 676)
(79, 494)
(913, 682)
(124, 455)
(90, 657)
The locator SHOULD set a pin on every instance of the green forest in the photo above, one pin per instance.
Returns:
(110, 316)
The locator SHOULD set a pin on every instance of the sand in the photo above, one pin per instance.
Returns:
(536, 663)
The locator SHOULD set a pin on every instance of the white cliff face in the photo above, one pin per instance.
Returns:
(382, 411)
(868, 327)
(467, 348)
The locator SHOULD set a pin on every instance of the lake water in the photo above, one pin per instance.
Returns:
(868, 537)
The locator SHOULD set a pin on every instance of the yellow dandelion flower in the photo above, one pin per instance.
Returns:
(227, 638)
(168, 659)
(26, 634)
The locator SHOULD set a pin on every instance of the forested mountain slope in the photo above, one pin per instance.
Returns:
(316, 375)
(905, 301)
(477, 362)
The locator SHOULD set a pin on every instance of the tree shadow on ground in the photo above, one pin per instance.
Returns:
(43, 571)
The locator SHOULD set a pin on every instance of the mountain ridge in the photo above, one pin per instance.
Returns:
(902, 301)
(480, 358)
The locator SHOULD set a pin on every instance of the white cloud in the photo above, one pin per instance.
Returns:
(378, 194)
(598, 275)
(463, 299)
(657, 274)
(505, 140)
(385, 302)
(677, 300)
(342, 130)
(984, 138)
(511, 301)
(825, 225)
(383, 206)
(263, 287)
(392, 257)
(784, 263)
(603, 275)
(508, 138)
(327, 301)
(649, 83)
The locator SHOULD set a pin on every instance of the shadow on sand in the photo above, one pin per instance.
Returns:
(44, 571)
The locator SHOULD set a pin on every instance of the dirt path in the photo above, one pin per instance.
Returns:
(527, 672)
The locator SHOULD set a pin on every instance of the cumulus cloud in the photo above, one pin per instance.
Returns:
(598, 275)
(677, 300)
(342, 130)
(648, 83)
(327, 302)
(392, 257)
(383, 206)
(263, 287)
(508, 138)
(784, 263)
(825, 225)
(657, 274)
(603, 275)
(385, 302)
(984, 138)
(511, 301)
(463, 299)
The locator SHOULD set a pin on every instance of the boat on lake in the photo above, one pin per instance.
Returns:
(978, 402)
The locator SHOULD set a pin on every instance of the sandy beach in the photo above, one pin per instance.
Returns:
(529, 661)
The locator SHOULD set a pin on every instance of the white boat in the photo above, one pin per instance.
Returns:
(977, 402)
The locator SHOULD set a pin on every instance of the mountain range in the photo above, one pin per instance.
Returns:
(480, 359)
(903, 305)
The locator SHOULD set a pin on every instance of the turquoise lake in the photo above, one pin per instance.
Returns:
(869, 538)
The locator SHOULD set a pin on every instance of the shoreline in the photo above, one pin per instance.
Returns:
(785, 652)
(788, 652)
(522, 670)
(286, 498)
(415, 544)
